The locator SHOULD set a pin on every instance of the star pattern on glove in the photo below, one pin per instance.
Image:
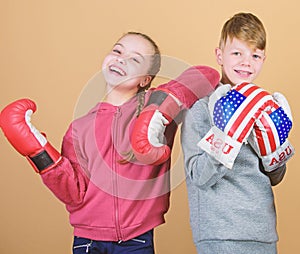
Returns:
(226, 107)
(282, 123)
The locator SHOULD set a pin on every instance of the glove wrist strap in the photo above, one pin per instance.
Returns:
(45, 160)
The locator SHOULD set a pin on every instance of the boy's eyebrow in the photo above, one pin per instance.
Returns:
(135, 52)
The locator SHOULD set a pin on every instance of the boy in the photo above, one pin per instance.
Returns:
(231, 211)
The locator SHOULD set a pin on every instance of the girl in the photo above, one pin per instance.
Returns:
(114, 201)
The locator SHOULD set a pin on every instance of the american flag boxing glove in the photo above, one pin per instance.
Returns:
(270, 133)
(234, 116)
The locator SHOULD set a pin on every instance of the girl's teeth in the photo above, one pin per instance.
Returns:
(117, 70)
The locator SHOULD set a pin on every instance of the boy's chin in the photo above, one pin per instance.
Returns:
(239, 81)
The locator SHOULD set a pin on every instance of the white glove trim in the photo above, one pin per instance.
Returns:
(179, 103)
(157, 128)
(40, 138)
(221, 146)
(216, 95)
(278, 157)
(282, 101)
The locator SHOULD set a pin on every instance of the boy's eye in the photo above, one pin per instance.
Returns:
(236, 53)
(257, 56)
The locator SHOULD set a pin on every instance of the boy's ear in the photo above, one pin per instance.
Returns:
(218, 53)
(265, 58)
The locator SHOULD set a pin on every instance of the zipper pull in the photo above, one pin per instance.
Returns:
(88, 246)
(118, 111)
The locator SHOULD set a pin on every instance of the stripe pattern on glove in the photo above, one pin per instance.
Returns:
(235, 114)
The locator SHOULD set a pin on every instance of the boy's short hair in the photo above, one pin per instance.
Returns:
(245, 27)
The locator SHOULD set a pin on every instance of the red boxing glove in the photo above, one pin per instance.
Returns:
(25, 138)
(148, 132)
(165, 103)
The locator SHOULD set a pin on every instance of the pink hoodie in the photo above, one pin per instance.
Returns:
(108, 200)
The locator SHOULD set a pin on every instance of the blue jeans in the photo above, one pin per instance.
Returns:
(142, 244)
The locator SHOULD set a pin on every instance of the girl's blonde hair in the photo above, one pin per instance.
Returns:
(245, 27)
(153, 70)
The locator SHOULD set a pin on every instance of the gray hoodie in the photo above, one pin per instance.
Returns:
(225, 204)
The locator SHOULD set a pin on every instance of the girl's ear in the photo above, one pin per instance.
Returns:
(218, 53)
(146, 81)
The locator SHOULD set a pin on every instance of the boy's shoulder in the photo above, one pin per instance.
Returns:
(199, 109)
(202, 102)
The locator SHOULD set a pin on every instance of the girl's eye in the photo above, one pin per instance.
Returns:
(257, 56)
(116, 51)
(135, 60)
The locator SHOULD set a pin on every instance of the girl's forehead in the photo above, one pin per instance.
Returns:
(136, 43)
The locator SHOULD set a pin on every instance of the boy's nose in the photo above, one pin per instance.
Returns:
(246, 61)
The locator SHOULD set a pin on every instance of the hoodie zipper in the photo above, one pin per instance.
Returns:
(115, 175)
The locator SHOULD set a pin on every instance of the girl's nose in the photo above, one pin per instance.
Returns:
(121, 60)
